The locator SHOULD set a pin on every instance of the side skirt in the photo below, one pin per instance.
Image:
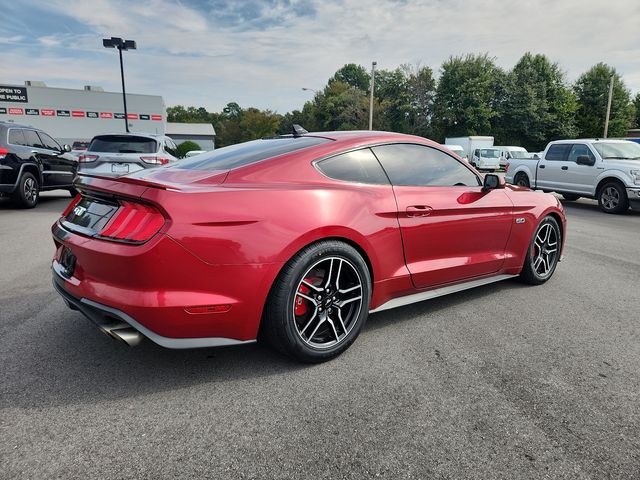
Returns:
(438, 292)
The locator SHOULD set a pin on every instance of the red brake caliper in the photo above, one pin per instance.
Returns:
(301, 303)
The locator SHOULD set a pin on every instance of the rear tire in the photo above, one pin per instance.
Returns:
(27, 192)
(543, 253)
(522, 180)
(319, 302)
(570, 196)
(612, 198)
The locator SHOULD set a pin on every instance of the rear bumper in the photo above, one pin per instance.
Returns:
(111, 321)
(157, 287)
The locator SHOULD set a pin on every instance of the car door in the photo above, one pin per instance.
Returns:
(61, 169)
(451, 229)
(552, 169)
(581, 178)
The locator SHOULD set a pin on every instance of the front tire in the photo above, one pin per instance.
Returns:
(27, 192)
(544, 252)
(319, 302)
(612, 198)
(522, 180)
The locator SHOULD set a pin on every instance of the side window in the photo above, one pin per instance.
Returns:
(476, 152)
(579, 150)
(32, 139)
(49, 142)
(170, 147)
(359, 166)
(558, 152)
(16, 137)
(411, 164)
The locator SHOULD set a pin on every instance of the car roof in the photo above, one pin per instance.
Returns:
(19, 125)
(591, 140)
(154, 136)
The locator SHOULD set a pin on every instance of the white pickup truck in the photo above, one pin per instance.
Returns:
(607, 170)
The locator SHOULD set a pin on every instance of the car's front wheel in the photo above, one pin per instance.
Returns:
(521, 180)
(612, 198)
(544, 252)
(28, 191)
(319, 302)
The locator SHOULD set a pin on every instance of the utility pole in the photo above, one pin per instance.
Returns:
(606, 121)
(373, 82)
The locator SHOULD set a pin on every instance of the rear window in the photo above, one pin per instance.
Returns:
(122, 144)
(247, 153)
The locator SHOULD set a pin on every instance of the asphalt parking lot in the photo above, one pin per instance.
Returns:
(505, 381)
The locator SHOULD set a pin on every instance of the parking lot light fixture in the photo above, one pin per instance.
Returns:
(306, 89)
(120, 44)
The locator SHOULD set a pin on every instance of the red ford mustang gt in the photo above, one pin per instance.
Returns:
(294, 239)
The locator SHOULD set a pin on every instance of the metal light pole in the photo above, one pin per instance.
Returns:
(120, 44)
(373, 82)
(606, 120)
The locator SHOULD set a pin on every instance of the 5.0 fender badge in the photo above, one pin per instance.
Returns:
(520, 220)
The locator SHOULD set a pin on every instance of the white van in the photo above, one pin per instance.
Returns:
(486, 158)
(457, 149)
(507, 153)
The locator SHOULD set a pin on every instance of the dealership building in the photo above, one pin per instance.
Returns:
(71, 115)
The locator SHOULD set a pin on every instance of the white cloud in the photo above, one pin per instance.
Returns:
(264, 56)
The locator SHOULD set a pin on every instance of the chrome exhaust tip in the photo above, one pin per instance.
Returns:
(129, 336)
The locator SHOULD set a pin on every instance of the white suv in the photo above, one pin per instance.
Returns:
(607, 170)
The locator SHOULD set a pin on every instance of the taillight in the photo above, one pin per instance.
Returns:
(155, 160)
(133, 222)
(88, 158)
(3, 152)
(71, 206)
(506, 167)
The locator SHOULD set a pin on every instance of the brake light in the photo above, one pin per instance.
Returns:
(3, 152)
(506, 167)
(133, 222)
(88, 158)
(72, 205)
(155, 160)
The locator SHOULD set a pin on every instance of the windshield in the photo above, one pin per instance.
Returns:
(618, 150)
(489, 153)
(123, 144)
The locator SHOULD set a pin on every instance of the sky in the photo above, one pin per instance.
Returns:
(261, 53)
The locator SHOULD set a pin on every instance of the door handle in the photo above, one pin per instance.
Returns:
(418, 210)
(565, 168)
(541, 166)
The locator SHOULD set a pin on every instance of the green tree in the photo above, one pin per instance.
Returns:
(186, 147)
(636, 105)
(592, 92)
(354, 75)
(341, 106)
(468, 96)
(538, 106)
(256, 124)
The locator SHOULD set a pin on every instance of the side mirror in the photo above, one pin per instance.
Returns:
(508, 156)
(66, 148)
(492, 182)
(585, 160)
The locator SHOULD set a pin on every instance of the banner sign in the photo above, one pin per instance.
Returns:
(92, 114)
(156, 117)
(33, 111)
(13, 94)
(48, 112)
(63, 113)
(144, 117)
(106, 115)
(3, 110)
(119, 116)
(16, 111)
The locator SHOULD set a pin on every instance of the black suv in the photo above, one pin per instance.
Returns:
(30, 162)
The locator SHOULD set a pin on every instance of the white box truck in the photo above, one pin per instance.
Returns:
(469, 144)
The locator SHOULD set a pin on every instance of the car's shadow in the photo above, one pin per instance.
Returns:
(67, 361)
(48, 202)
(586, 205)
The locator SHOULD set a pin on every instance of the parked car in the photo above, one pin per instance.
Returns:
(296, 237)
(78, 147)
(507, 153)
(486, 158)
(607, 170)
(31, 162)
(122, 153)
